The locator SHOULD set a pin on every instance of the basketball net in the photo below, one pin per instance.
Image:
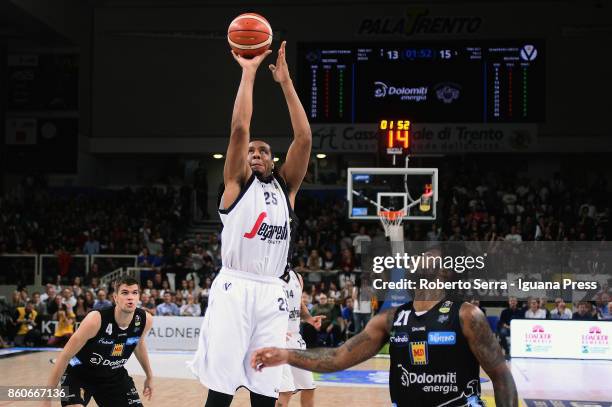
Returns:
(392, 223)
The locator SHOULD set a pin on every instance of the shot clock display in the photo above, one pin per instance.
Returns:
(474, 81)
(395, 135)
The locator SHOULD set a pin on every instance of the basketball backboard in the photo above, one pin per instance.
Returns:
(413, 190)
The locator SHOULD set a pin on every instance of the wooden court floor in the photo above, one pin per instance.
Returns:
(550, 380)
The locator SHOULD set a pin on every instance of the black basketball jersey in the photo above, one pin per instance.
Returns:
(104, 355)
(431, 362)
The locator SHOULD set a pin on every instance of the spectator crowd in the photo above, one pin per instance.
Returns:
(177, 273)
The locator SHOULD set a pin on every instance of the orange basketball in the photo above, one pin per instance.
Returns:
(249, 35)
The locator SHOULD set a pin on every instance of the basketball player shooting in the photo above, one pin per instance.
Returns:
(247, 305)
(436, 346)
(92, 361)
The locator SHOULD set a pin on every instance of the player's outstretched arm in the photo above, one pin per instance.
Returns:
(143, 358)
(236, 169)
(359, 348)
(298, 155)
(484, 346)
(87, 330)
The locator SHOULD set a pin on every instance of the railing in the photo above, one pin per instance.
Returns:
(34, 270)
(108, 279)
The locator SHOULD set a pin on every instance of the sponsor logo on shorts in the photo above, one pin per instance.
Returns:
(132, 340)
(442, 383)
(117, 350)
(418, 328)
(418, 353)
(227, 286)
(442, 338)
(95, 359)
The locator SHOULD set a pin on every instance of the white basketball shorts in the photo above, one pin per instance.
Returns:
(295, 379)
(245, 312)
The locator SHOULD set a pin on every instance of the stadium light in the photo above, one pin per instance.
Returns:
(320, 155)
(218, 156)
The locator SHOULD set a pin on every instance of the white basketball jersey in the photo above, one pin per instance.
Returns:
(257, 229)
(293, 289)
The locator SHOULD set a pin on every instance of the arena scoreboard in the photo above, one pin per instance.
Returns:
(500, 81)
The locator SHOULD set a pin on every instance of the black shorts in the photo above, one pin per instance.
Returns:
(119, 391)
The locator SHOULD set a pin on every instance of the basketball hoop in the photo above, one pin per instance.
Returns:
(392, 223)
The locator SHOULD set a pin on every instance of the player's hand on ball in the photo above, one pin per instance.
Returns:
(148, 388)
(267, 357)
(280, 72)
(250, 64)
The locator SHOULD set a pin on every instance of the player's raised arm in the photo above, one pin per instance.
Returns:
(487, 351)
(298, 156)
(359, 348)
(236, 170)
(88, 329)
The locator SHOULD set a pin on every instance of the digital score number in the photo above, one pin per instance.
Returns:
(397, 136)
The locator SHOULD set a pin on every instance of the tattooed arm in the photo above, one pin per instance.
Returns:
(357, 349)
(484, 346)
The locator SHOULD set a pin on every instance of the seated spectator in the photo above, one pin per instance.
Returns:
(560, 311)
(165, 287)
(77, 288)
(27, 334)
(362, 303)
(347, 264)
(90, 300)
(584, 312)
(81, 309)
(347, 291)
(147, 303)
(64, 327)
(314, 261)
(178, 299)
(608, 317)
(191, 309)
(68, 297)
(145, 259)
(602, 306)
(307, 300)
(503, 325)
(39, 306)
(534, 311)
(333, 291)
(94, 285)
(347, 316)
(49, 293)
(329, 261)
(156, 297)
(168, 308)
(330, 326)
(102, 302)
(542, 303)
